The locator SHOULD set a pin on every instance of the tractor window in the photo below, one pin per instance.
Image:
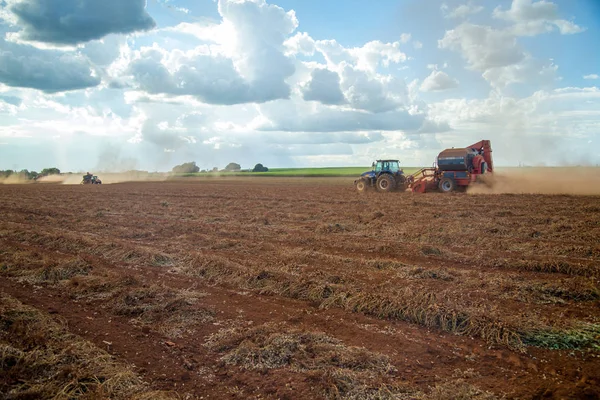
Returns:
(393, 167)
(378, 167)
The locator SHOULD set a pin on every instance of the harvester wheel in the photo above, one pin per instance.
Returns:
(447, 185)
(386, 183)
(362, 185)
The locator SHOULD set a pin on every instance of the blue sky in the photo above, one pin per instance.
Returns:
(147, 85)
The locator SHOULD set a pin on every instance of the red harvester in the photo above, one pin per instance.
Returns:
(455, 169)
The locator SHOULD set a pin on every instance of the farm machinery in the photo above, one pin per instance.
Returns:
(455, 169)
(90, 179)
(386, 176)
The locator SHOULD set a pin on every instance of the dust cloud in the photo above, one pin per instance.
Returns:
(106, 178)
(51, 179)
(14, 179)
(541, 180)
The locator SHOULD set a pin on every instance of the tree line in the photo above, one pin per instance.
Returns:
(29, 175)
(185, 168)
(191, 167)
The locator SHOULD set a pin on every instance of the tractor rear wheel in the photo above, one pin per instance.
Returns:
(362, 185)
(401, 182)
(447, 185)
(386, 183)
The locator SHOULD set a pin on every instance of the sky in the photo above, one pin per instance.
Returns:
(119, 85)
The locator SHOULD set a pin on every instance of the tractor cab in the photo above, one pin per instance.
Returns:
(389, 166)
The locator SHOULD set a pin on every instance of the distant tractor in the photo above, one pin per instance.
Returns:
(90, 179)
(386, 176)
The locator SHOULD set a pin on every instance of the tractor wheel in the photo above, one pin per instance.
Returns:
(362, 185)
(447, 185)
(386, 183)
(401, 182)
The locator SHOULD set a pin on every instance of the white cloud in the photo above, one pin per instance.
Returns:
(497, 55)
(294, 117)
(483, 47)
(438, 81)
(529, 71)
(591, 76)
(369, 92)
(462, 11)
(247, 65)
(405, 37)
(105, 51)
(532, 18)
(368, 57)
(300, 43)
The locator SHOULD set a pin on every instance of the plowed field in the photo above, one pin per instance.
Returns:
(296, 288)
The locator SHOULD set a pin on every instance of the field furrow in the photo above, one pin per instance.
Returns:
(255, 287)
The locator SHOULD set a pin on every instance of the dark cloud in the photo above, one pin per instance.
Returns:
(117, 84)
(47, 70)
(324, 87)
(78, 21)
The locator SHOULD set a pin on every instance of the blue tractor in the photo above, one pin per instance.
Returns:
(386, 176)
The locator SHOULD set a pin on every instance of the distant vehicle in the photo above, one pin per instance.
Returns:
(90, 179)
(386, 176)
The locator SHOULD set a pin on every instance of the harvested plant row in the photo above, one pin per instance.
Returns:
(39, 358)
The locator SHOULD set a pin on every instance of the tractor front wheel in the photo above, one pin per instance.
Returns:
(362, 185)
(386, 183)
(447, 185)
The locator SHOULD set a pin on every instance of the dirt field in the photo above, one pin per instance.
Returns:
(296, 288)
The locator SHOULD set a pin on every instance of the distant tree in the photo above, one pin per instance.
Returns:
(233, 167)
(260, 168)
(25, 174)
(6, 173)
(50, 171)
(215, 169)
(186, 168)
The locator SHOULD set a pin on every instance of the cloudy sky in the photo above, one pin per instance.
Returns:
(136, 84)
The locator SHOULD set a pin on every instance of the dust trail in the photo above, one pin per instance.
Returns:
(118, 177)
(542, 180)
(14, 179)
(51, 179)
(106, 178)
